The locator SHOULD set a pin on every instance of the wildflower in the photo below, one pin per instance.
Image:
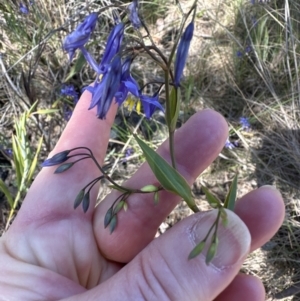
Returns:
(80, 35)
(57, 159)
(248, 49)
(182, 52)
(69, 91)
(113, 44)
(8, 152)
(150, 104)
(128, 83)
(104, 91)
(133, 14)
(228, 144)
(239, 54)
(245, 123)
(23, 9)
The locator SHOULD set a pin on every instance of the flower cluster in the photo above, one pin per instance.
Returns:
(114, 80)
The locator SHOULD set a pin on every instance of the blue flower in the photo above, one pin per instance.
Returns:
(245, 123)
(113, 45)
(104, 91)
(69, 91)
(228, 144)
(150, 104)
(80, 35)
(133, 14)
(23, 9)
(182, 52)
(128, 83)
(239, 54)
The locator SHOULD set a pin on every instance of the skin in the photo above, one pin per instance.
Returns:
(53, 252)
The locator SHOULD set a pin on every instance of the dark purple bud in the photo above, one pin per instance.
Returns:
(80, 35)
(108, 217)
(182, 52)
(78, 199)
(57, 159)
(69, 91)
(86, 202)
(63, 167)
(133, 14)
(113, 224)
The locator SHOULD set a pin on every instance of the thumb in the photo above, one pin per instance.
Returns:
(162, 271)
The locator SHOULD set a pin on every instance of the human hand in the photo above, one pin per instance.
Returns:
(53, 252)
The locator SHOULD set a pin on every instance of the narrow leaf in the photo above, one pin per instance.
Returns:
(174, 107)
(223, 215)
(212, 200)
(170, 179)
(6, 192)
(197, 250)
(231, 197)
(34, 161)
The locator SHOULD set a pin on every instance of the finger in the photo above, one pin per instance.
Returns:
(262, 210)
(162, 270)
(243, 287)
(197, 144)
(53, 194)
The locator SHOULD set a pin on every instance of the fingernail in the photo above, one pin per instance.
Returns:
(234, 240)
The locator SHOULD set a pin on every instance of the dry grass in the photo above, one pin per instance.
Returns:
(262, 84)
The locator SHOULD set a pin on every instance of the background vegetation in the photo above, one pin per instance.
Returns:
(244, 62)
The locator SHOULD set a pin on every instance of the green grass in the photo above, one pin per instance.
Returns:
(262, 84)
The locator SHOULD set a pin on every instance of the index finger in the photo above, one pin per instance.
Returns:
(53, 194)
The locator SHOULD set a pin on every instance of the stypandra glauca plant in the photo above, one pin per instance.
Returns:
(115, 83)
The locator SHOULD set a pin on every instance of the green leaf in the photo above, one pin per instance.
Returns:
(79, 63)
(212, 200)
(197, 250)
(34, 161)
(223, 215)
(174, 107)
(231, 196)
(170, 179)
(6, 192)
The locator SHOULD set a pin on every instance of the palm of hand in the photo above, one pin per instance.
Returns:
(53, 252)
